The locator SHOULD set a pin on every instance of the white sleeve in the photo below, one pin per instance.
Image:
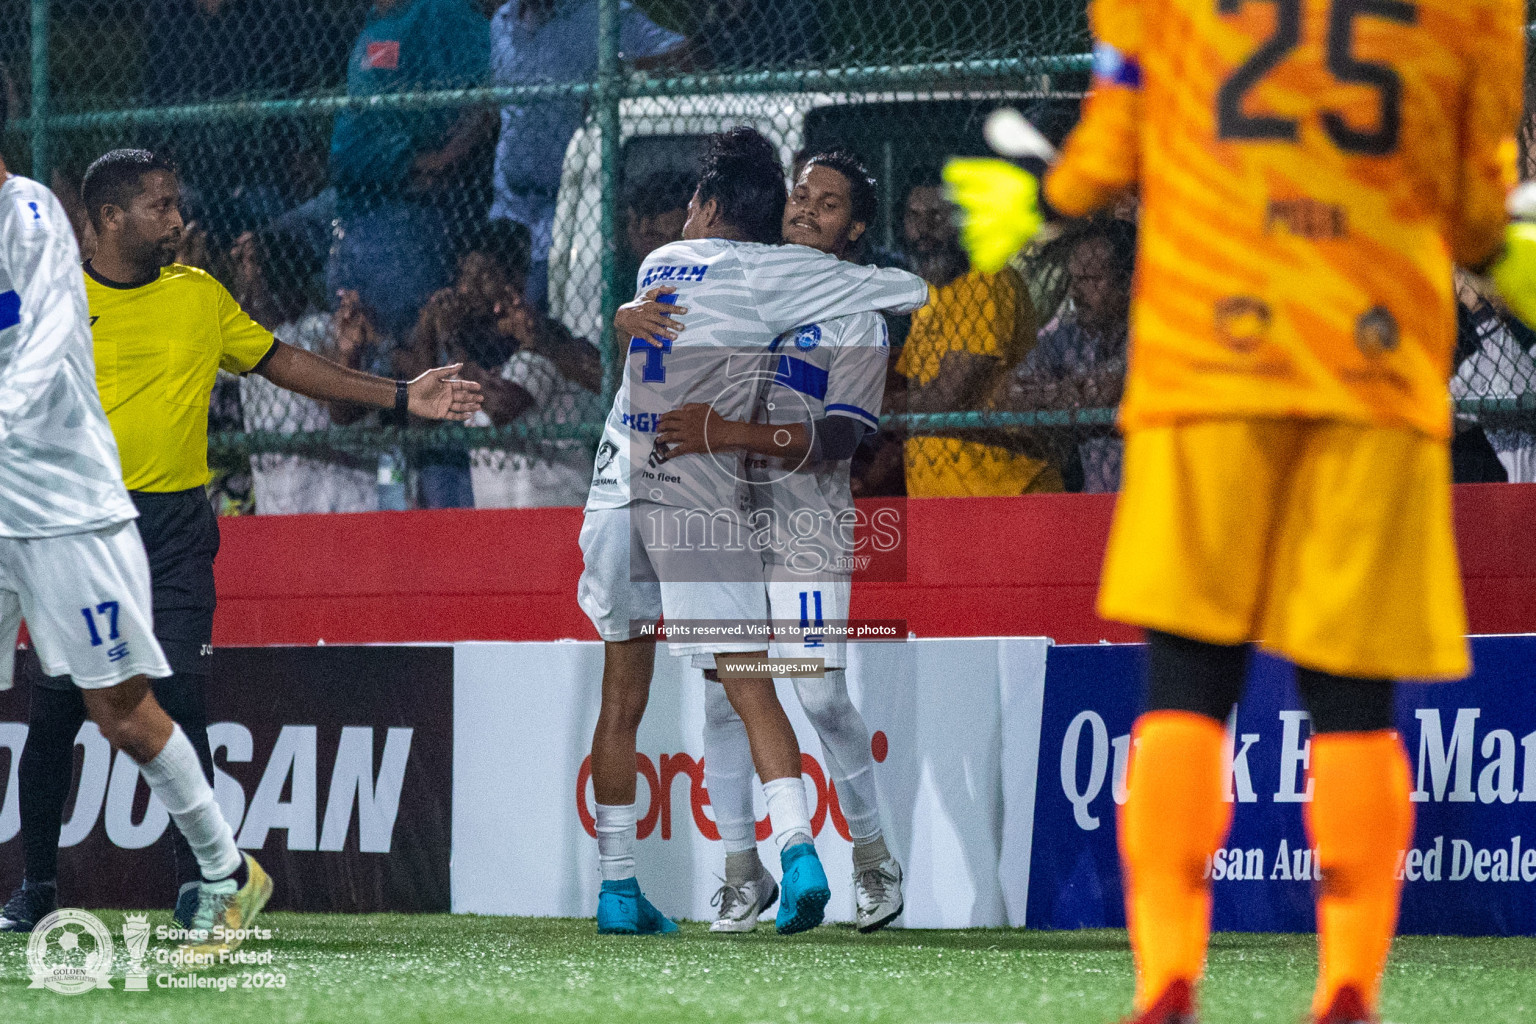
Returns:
(856, 383)
(46, 300)
(793, 285)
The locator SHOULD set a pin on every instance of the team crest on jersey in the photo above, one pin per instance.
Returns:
(605, 453)
(807, 337)
(1243, 322)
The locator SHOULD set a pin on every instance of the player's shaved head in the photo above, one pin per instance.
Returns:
(117, 178)
(742, 176)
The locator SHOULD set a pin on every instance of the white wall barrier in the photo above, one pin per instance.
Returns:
(1000, 763)
(523, 717)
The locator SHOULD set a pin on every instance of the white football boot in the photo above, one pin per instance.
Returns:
(741, 906)
(877, 892)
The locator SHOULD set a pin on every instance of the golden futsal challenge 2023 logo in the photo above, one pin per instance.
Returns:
(72, 952)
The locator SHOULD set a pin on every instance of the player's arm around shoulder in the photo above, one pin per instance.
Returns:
(652, 316)
(794, 284)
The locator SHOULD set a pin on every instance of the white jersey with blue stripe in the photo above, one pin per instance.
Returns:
(740, 296)
(59, 469)
(833, 368)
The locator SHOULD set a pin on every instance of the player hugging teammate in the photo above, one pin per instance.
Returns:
(821, 396)
(658, 478)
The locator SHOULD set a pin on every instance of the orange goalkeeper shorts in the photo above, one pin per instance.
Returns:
(1328, 543)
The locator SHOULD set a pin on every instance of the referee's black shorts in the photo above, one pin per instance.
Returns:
(181, 538)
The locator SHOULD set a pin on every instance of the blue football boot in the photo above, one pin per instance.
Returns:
(803, 890)
(622, 909)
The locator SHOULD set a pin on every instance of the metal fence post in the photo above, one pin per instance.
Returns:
(40, 91)
(609, 90)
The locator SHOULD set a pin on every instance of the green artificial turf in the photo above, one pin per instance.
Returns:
(390, 968)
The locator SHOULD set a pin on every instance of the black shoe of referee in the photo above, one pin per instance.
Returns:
(28, 905)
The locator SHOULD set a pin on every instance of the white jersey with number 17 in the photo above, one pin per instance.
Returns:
(739, 296)
(59, 469)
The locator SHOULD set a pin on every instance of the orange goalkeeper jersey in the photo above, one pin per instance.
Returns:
(1309, 171)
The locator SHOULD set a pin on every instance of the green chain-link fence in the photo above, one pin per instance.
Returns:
(383, 181)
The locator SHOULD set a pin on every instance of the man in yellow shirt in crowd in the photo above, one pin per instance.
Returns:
(974, 330)
(162, 331)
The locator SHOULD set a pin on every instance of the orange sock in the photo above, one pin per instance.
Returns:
(1173, 819)
(1360, 819)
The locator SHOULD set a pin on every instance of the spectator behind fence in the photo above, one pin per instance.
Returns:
(461, 318)
(655, 208)
(540, 41)
(309, 201)
(275, 281)
(1495, 359)
(974, 329)
(530, 368)
(203, 51)
(199, 50)
(399, 173)
(1079, 362)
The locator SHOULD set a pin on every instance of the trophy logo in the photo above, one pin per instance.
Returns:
(136, 939)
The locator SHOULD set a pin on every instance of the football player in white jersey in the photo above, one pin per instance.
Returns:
(667, 533)
(71, 562)
(823, 394)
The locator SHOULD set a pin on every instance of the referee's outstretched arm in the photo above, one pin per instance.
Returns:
(435, 395)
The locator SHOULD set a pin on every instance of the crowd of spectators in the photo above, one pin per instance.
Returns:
(417, 236)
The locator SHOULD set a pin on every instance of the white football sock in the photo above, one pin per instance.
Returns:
(176, 777)
(787, 808)
(870, 853)
(845, 746)
(728, 771)
(616, 841)
(743, 867)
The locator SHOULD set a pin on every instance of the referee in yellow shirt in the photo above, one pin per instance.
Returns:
(162, 332)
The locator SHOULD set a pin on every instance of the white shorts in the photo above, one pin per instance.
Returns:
(626, 586)
(85, 597)
(809, 601)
